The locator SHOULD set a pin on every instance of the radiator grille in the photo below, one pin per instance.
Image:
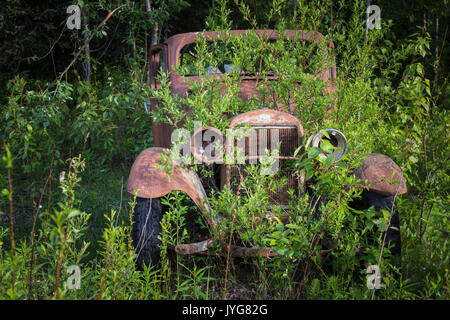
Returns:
(266, 138)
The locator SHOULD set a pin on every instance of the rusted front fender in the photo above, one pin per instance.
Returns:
(382, 175)
(151, 182)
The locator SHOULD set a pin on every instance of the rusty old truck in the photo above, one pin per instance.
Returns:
(149, 182)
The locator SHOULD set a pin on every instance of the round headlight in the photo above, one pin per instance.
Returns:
(337, 140)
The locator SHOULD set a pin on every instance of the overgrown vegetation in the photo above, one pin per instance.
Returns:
(68, 146)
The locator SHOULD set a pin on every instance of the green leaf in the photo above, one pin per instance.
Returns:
(329, 161)
(413, 159)
(313, 152)
(74, 213)
(325, 133)
(326, 146)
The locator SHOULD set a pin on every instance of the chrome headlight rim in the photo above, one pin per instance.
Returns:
(340, 143)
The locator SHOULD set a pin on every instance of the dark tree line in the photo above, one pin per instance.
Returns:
(35, 42)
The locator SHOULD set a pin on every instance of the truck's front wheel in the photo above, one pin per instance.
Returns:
(146, 229)
(386, 202)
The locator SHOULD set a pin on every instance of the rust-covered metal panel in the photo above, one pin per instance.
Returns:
(380, 172)
(235, 251)
(161, 131)
(266, 117)
(238, 251)
(192, 248)
(152, 182)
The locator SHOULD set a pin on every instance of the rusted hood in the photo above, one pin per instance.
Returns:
(264, 117)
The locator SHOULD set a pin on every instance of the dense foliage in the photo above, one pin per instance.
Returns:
(69, 139)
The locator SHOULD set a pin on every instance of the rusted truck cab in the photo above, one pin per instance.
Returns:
(164, 57)
(151, 183)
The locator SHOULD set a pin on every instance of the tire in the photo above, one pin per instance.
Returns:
(146, 229)
(379, 202)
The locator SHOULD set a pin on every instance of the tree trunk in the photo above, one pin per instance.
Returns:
(331, 16)
(367, 21)
(86, 64)
(155, 30)
(436, 54)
